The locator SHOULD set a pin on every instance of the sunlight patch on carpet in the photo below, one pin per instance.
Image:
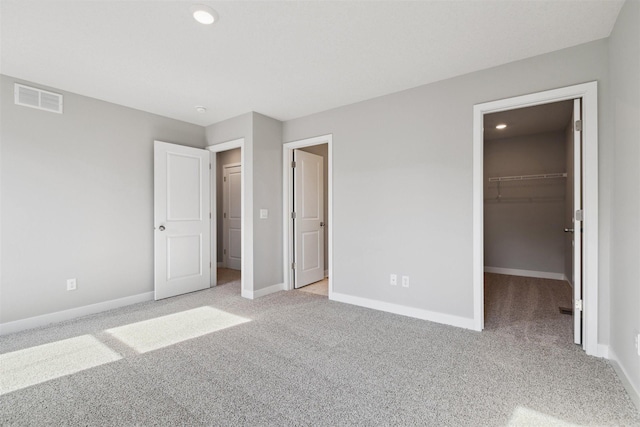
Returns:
(528, 417)
(35, 365)
(153, 334)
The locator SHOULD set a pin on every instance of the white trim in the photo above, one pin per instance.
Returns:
(603, 351)
(525, 273)
(246, 188)
(287, 224)
(589, 94)
(72, 313)
(418, 313)
(632, 389)
(264, 291)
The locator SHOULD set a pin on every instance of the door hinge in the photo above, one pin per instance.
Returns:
(210, 265)
(293, 265)
(224, 179)
(224, 251)
(209, 166)
(578, 126)
(578, 305)
(209, 215)
(293, 164)
(579, 215)
(224, 215)
(293, 215)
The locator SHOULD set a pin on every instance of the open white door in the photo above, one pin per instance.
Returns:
(232, 216)
(308, 222)
(181, 217)
(577, 222)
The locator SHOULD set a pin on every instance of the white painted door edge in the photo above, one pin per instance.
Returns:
(287, 224)
(589, 94)
(246, 156)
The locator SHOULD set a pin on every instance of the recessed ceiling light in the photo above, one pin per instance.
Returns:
(201, 109)
(204, 14)
(501, 126)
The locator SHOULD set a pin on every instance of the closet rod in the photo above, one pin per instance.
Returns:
(527, 177)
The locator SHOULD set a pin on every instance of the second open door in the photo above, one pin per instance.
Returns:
(308, 222)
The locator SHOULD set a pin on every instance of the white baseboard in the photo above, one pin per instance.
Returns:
(262, 292)
(446, 319)
(632, 389)
(526, 273)
(603, 351)
(60, 316)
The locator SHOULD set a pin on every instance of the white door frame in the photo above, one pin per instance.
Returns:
(589, 94)
(287, 191)
(246, 190)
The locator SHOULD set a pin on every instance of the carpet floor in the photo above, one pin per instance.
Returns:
(296, 358)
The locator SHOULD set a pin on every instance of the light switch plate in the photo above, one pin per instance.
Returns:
(264, 213)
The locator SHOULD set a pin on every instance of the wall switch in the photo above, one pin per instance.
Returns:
(264, 213)
(393, 280)
(71, 285)
(405, 281)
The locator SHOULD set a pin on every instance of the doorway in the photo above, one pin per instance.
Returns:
(587, 93)
(232, 153)
(528, 218)
(229, 216)
(308, 215)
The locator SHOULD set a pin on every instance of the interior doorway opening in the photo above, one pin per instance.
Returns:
(307, 195)
(587, 217)
(528, 219)
(228, 195)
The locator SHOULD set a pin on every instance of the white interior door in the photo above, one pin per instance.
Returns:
(308, 222)
(181, 218)
(232, 216)
(577, 222)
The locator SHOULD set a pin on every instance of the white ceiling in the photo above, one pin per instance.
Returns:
(285, 59)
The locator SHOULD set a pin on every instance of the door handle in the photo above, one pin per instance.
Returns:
(322, 224)
(161, 228)
(568, 230)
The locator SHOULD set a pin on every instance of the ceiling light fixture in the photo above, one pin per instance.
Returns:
(204, 14)
(501, 126)
(201, 109)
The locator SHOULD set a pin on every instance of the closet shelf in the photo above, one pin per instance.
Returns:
(528, 177)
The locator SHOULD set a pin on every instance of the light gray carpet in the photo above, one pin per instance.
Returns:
(295, 358)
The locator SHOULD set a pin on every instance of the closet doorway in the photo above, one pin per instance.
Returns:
(585, 218)
(529, 175)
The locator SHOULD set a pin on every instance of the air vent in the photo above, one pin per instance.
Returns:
(37, 98)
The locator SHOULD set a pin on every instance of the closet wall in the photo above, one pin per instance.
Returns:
(524, 220)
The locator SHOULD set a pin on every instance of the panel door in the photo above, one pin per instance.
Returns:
(181, 220)
(232, 217)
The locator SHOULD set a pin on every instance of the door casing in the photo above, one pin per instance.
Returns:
(287, 196)
(588, 92)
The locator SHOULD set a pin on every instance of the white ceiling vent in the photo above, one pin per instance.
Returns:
(37, 98)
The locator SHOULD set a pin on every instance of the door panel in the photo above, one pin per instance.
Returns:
(577, 224)
(181, 218)
(308, 223)
(232, 216)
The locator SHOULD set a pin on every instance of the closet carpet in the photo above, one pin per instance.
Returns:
(295, 358)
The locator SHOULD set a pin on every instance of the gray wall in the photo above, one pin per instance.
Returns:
(625, 245)
(524, 229)
(263, 139)
(77, 201)
(406, 159)
(222, 158)
(323, 150)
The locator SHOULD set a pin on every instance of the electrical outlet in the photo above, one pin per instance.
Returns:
(393, 280)
(71, 285)
(405, 281)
